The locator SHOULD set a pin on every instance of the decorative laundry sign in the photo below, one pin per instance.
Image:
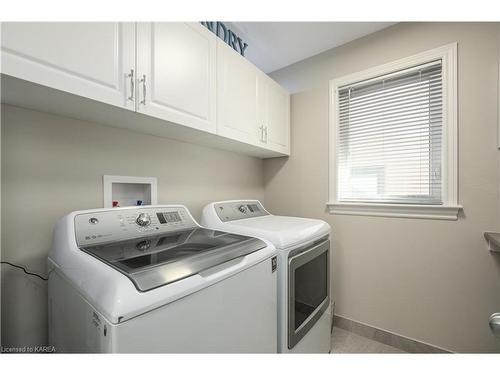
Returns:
(227, 35)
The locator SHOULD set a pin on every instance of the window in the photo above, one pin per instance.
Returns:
(393, 139)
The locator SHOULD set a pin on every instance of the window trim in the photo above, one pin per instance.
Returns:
(450, 208)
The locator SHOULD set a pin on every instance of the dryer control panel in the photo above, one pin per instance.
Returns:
(237, 210)
(123, 224)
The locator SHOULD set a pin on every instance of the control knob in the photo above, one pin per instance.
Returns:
(143, 245)
(242, 209)
(143, 220)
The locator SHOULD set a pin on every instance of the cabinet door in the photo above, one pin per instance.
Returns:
(93, 60)
(176, 64)
(277, 116)
(237, 96)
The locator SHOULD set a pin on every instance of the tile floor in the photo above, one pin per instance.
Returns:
(347, 342)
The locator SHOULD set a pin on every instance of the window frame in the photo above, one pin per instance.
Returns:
(450, 208)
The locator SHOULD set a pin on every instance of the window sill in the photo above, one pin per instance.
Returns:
(437, 212)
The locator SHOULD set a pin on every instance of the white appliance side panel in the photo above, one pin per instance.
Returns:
(74, 325)
(237, 315)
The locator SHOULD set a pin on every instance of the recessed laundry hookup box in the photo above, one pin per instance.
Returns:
(125, 191)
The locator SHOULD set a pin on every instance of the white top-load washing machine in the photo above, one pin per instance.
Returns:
(304, 311)
(150, 279)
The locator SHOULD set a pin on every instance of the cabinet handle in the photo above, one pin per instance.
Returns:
(265, 130)
(143, 81)
(131, 76)
(261, 133)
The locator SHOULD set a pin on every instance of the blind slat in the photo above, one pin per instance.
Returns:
(382, 113)
(390, 125)
(346, 99)
(434, 126)
(406, 102)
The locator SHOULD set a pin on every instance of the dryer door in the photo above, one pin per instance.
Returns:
(308, 289)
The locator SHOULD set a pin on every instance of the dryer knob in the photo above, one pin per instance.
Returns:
(143, 220)
(242, 209)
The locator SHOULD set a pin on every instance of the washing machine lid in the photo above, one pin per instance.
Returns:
(282, 231)
(154, 261)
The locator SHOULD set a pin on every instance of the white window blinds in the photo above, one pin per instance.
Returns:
(389, 138)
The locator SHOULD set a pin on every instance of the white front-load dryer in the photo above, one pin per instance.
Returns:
(304, 301)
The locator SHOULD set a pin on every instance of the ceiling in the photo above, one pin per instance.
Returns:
(274, 45)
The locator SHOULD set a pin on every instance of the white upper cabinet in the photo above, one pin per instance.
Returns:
(94, 60)
(277, 116)
(237, 96)
(188, 83)
(176, 71)
(251, 107)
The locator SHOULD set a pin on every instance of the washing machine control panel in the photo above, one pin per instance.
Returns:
(229, 211)
(143, 219)
(123, 224)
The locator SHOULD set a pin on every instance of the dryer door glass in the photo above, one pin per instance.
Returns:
(308, 289)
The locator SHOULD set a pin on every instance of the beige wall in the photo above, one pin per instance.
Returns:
(430, 280)
(53, 165)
